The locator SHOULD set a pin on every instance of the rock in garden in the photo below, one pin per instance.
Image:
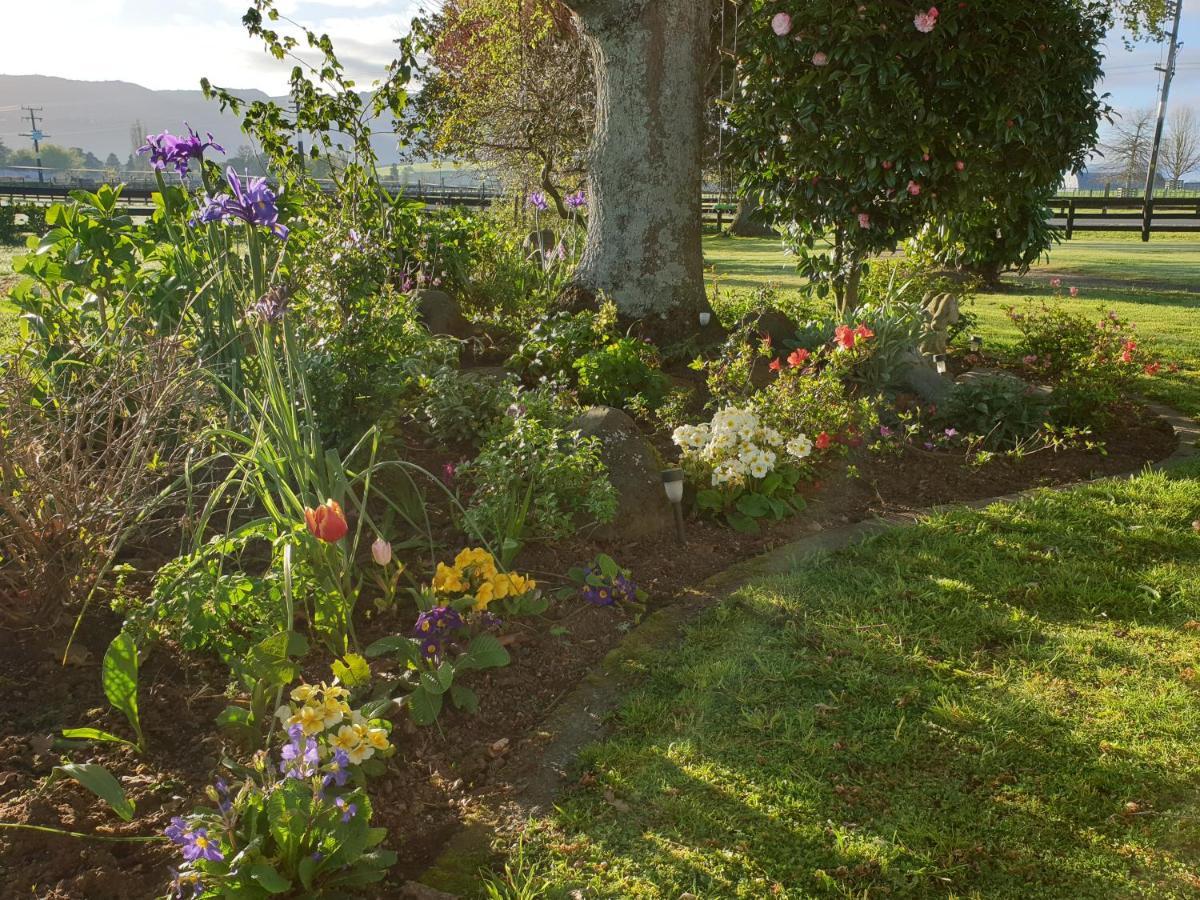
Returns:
(538, 245)
(778, 327)
(920, 377)
(635, 471)
(441, 314)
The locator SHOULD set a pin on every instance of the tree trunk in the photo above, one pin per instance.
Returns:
(749, 221)
(643, 246)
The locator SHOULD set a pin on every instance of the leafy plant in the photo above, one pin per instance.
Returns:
(615, 374)
(1002, 411)
(119, 676)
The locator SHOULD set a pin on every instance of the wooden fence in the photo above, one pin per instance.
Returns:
(1072, 213)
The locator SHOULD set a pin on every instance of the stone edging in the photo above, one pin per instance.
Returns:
(579, 719)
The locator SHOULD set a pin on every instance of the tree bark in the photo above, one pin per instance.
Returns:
(643, 246)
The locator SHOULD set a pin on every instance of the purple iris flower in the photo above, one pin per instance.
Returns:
(577, 201)
(253, 202)
(167, 149)
(538, 201)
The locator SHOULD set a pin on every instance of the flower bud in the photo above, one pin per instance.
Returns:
(381, 552)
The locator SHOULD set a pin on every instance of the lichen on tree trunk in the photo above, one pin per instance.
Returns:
(643, 247)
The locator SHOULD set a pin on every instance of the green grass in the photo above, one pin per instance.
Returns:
(1155, 285)
(979, 706)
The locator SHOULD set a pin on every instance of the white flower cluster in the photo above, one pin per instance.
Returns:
(736, 445)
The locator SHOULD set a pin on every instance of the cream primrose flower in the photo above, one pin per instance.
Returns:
(760, 470)
(800, 447)
(772, 437)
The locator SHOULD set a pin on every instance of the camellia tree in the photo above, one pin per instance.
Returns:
(859, 123)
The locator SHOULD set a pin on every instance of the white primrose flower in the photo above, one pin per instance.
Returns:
(800, 447)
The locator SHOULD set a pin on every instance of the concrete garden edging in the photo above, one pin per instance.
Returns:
(580, 717)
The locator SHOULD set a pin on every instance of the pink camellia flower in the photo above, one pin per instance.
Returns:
(887, 165)
(1074, 292)
(820, 59)
(781, 24)
(864, 221)
(914, 189)
(959, 165)
(925, 21)
(925, 157)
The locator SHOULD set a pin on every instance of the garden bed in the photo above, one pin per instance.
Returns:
(440, 773)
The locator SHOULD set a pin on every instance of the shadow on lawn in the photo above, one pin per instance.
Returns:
(987, 703)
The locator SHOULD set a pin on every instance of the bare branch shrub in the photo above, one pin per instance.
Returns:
(91, 455)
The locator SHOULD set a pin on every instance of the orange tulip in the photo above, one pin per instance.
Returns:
(327, 522)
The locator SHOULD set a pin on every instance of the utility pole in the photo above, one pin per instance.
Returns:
(35, 133)
(1168, 74)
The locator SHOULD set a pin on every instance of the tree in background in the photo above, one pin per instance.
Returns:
(859, 123)
(509, 86)
(54, 158)
(1180, 153)
(1126, 151)
(5, 153)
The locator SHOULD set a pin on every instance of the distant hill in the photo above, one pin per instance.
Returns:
(98, 116)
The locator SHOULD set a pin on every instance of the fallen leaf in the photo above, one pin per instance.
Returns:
(499, 748)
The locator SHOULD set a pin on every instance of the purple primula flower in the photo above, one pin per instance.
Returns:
(577, 201)
(339, 772)
(198, 845)
(299, 757)
(167, 149)
(538, 201)
(885, 432)
(176, 830)
(610, 592)
(434, 626)
(348, 809)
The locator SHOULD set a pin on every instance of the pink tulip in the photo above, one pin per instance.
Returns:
(381, 552)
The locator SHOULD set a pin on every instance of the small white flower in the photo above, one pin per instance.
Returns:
(800, 447)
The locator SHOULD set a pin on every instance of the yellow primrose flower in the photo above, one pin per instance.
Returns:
(310, 718)
(334, 690)
(484, 595)
(303, 693)
(346, 739)
(378, 738)
(447, 580)
(332, 711)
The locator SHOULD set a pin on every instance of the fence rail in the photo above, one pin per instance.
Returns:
(1070, 212)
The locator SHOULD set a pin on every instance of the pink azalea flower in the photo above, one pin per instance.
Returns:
(864, 221)
(914, 188)
(1056, 282)
(781, 24)
(925, 21)
(1074, 292)
(820, 59)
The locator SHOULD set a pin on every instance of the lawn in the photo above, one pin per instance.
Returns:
(1155, 285)
(978, 706)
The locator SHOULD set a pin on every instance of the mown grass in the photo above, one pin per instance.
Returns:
(1111, 268)
(992, 704)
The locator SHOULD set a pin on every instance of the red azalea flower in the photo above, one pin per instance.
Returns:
(1126, 356)
(845, 337)
(824, 441)
(776, 365)
(798, 358)
(1153, 368)
(1173, 368)
(864, 333)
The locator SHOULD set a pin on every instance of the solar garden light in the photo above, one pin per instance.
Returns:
(705, 318)
(940, 361)
(976, 343)
(672, 480)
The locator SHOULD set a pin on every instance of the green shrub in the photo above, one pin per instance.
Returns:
(1004, 412)
(617, 373)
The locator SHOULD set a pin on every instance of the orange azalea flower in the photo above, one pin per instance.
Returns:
(776, 365)
(798, 358)
(326, 522)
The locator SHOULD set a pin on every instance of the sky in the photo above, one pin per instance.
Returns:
(173, 43)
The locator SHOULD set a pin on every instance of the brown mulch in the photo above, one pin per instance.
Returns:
(436, 779)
